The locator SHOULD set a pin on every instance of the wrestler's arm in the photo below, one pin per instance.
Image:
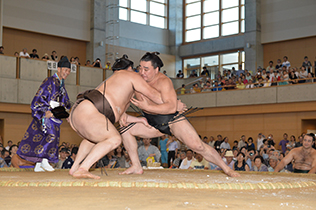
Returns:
(169, 98)
(313, 169)
(140, 85)
(286, 160)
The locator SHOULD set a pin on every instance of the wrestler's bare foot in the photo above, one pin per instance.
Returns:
(84, 174)
(232, 173)
(133, 170)
(73, 170)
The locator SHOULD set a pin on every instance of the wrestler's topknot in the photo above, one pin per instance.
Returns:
(122, 63)
(154, 58)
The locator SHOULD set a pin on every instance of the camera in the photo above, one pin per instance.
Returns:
(251, 154)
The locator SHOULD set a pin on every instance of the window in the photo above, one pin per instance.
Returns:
(207, 19)
(146, 12)
(214, 63)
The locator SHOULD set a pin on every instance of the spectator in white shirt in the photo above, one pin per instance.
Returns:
(24, 53)
(172, 146)
(185, 164)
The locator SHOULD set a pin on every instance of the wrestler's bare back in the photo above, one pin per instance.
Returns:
(119, 88)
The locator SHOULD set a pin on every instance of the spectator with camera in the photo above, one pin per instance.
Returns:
(250, 155)
(97, 63)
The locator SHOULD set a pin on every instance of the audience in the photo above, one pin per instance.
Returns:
(24, 54)
(148, 151)
(54, 56)
(34, 54)
(185, 164)
(258, 164)
(1, 50)
(70, 159)
(199, 162)
(63, 154)
(240, 164)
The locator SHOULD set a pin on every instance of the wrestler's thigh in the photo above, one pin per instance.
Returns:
(142, 131)
(185, 132)
(89, 122)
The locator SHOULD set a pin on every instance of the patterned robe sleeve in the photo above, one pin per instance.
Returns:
(40, 102)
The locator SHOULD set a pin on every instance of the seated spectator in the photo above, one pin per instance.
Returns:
(97, 63)
(225, 144)
(183, 91)
(267, 82)
(302, 75)
(275, 77)
(13, 149)
(10, 143)
(16, 54)
(235, 145)
(177, 162)
(4, 153)
(291, 144)
(286, 63)
(186, 162)
(128, 162)
(244, 80)
(108, 65)
(54, 56)
(250, 84)
(230, 85)
(88, 63)
(258, 164)
(271, 67)
(45, 57)
(63, 154)
(306, 63)
(292, 77)
(243, 149)
(285, 78)
(193, 74)
(250, 143)
(199, 162)
(108, 161)
(250, 156)
(240, 84)
(228, 74)
(34, 55)
(248, 76)
(120, 155)
(1, 50)
(77, 61)
(216, 87)
(273, 162)
(180, 74)
(212, 141)
(228, 159)
(205, 72)
(207, 87)
(235, 152)
(309, 77)
(148, 151)
(196, 88)
(278, 65)
(240, 164)
(24, 54)
(71, 159)
(72, 60)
